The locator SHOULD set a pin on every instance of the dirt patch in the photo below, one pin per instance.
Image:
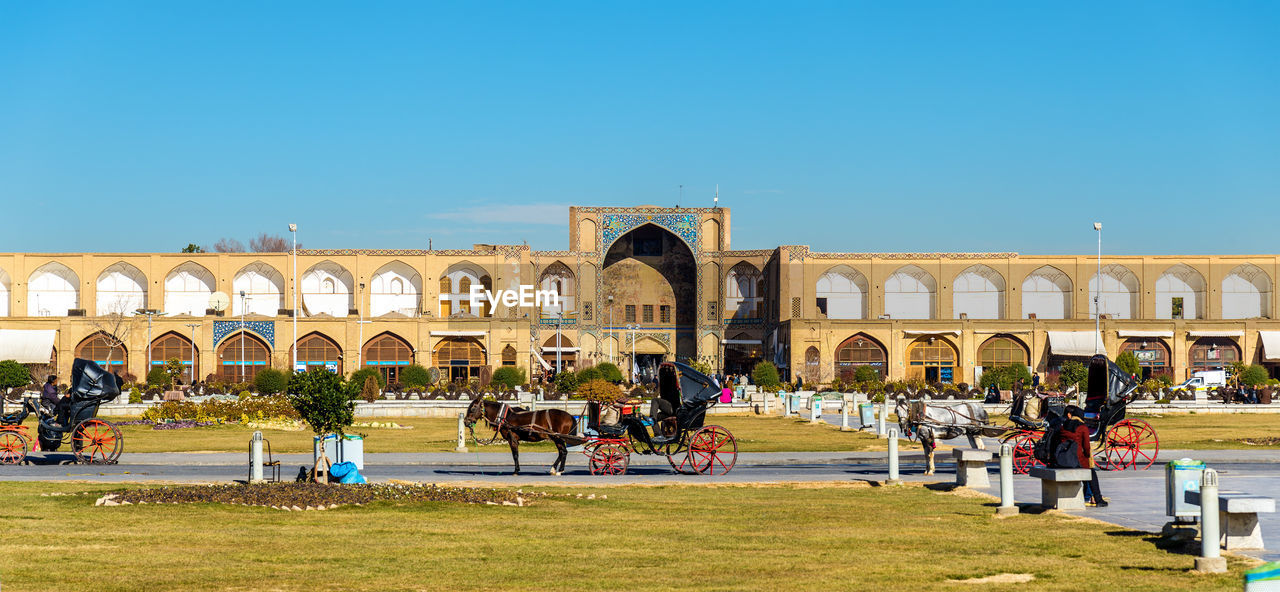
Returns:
(1261, 441)
(302, 496)
(1004, 578)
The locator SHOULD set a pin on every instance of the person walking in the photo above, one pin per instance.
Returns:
(1035, 381)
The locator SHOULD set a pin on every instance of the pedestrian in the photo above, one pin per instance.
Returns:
(726, 394)
(1072, 451)
(993, 394)
(1035, 381)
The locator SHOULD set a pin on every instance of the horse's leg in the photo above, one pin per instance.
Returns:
(562, 454)
(514, 441)
(926, 440)
(975, 439)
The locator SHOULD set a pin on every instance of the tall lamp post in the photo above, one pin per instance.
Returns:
(193, 326)
(1097, 291)
(612, 337)
(293, 229)
(559, 318)
(150, 313)
(244, 304)
(633, 328)
(361, 323)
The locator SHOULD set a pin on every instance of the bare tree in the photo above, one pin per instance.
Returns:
(228, 245)
(265, 243)
(115, 326)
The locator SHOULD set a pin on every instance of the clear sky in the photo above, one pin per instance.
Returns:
(847, 126)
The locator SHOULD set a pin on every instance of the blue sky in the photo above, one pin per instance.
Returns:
(906, 126)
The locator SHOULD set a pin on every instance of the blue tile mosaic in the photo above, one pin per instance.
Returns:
(684, 226)
(264, 329)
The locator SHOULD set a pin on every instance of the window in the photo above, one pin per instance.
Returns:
(102, 351)
(648, 313)
(586, 311)
(508, 356)
(711, 310)
(822, 306)
(1001, 351)
(388, 354)
(1176, 306)
(631, 313)
(664, 313)
(172, 346)
(320, 351)
(233, 367)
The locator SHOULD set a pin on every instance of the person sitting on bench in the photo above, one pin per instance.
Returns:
(1072, 451)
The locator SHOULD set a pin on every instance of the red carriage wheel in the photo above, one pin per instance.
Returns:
(95, 441)
(712, 451)
(609, 459)
(1129, 444)
(1146, 444)
(13, 448)
(1024, 457)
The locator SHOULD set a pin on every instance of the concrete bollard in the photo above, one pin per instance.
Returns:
(1210, 559)
(255, 458)
(844, 415)
(893, 458)
(1007, 507)
(462, 433)
(815, 409)
(766, 398)
(880, 423)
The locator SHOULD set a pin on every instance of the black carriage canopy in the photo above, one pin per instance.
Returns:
(1107, 382)
(679, 383)
(89, 382)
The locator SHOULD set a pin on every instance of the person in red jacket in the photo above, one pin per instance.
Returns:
(1074, 430)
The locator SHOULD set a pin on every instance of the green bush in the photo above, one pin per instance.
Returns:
(508, 377)
(1072, 373)
(370, 391)
(320, 400)
(765, 375)
(566, 382)
(601, 391)
(270, 381)
(701, 366)
(414, 375)
(1129, 363)
(135, 396)
(356, 382)
(1004, 377)
(589, 374)
(1254, 375)
(158, 377)
(13, 374)
(866, 374)
(610, 372)
(252, 408)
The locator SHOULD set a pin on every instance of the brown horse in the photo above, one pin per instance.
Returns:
(516, 424)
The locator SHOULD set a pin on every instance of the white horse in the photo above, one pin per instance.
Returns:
(929, 422)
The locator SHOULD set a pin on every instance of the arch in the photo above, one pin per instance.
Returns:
(1118, 296)
(649, 270)
(263, 287)
(1212, 353)
(812, 366)
(558, 278)
(647, 345)
(52, 290)
(187, 288)
(509, 355)
(1003, 350)
(711, 235)
(315, 349)
(395, 288)
(5, 286)
(1246, 293)
(587, 235)
(743, 291)
(1152, 353)
(459, 277)
(1180, 293)
(388, 353)
(1046, 293)
(121, 290)
(568, 354)
(327, 289)
(978, 293)
(910, 293)
(741, 353)
(175, 345)
(842, 293)
(459, 358)
(104, 351)
(932, 358)
(860, 349)
(241, 356)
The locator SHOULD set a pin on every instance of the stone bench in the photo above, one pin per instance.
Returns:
(1061, 489)
(1238, 517)
(971, 467)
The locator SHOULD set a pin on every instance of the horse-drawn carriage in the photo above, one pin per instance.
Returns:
(1120, 443)
(674, 428)
(74, 420)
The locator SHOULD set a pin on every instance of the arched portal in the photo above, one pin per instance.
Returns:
(172, 346)
(240, 357)
(1152, 353)
(931, 358)
(564, 351)
(104, 351)
(459, 358)
(318, 350)
(650, 268)
(859, 350)
(389, 354)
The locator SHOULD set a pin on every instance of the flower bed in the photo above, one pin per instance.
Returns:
(313, 495)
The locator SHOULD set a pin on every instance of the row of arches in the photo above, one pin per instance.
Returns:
(979, 292)
(934, 358)
(326, 290)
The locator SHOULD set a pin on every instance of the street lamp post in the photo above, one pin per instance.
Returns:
(293, 229)
(244, 304)
(559, 318)
(361, 322)
(150, 313)
(612, 336)
(633, 328)
(1097, 291)
(193, 326)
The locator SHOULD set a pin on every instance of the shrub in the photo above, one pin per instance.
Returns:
(1253, 375)
(356, 382)
(765, 374)
(415, 375)
(1072, 373)
(158, 377)
(13, 374)
(270, 381)
(866, 374)
(135, 395)
(1129, 363)
(609, 371)
(173, 368)
(509, 377)
(1004, 377)
(370, 391)
(320, 400)
(253, 408)
(701, 366)
(600, 391)
(589, 374)
(566, 382)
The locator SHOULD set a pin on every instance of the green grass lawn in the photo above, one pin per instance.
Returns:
(798, 537)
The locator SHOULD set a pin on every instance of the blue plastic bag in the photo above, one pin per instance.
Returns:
(346, 472)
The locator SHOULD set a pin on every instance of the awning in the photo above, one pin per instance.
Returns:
(1270, 345)
(1075, 343)
(27, 346)
(458, 333)
(1215, 333)
(545, 365)
(563, 350)
(1125, 333)
(742, 342)
(955, 332)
